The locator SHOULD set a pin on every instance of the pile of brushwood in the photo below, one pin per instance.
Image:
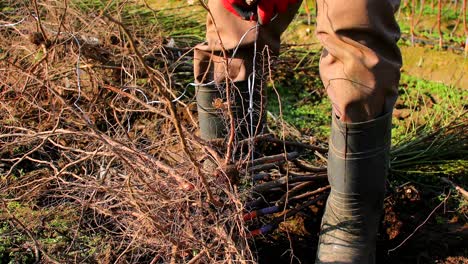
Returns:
(96, 121)
(99, 154)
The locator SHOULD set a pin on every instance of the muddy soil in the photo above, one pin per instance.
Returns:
(439, 239)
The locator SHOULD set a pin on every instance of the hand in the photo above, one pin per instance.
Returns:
(261, 10)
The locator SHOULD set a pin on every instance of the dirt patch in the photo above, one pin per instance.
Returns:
(439, 66)
(439, 238)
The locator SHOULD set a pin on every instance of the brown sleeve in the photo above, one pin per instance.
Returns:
(360, 63)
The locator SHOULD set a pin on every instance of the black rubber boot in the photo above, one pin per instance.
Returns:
(213, 116)
(357, 168)
(210, 113)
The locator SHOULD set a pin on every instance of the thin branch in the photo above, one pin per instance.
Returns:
(421, 225)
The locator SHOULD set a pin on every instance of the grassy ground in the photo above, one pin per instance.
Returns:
(424, 107)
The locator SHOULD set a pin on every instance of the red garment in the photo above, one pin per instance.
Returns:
(264, 10)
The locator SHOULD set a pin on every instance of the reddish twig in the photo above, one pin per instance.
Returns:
(465, 28)
(439, 22)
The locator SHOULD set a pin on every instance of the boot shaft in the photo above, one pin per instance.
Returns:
(357, 169)
(247, 109)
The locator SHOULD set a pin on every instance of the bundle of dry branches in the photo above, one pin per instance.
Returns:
(95, 117)
(89, 117)
(96, 120)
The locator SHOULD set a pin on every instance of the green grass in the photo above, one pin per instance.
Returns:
(429, 105)
(427, 22)
(301, 93)
(176, 19)
(54, 228)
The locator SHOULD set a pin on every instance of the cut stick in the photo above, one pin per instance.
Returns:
(462, 191)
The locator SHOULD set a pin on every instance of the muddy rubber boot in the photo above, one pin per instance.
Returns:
(357, 168)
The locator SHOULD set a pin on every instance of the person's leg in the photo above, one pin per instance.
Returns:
(360, 68)
(217, 69)
(224, 29)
